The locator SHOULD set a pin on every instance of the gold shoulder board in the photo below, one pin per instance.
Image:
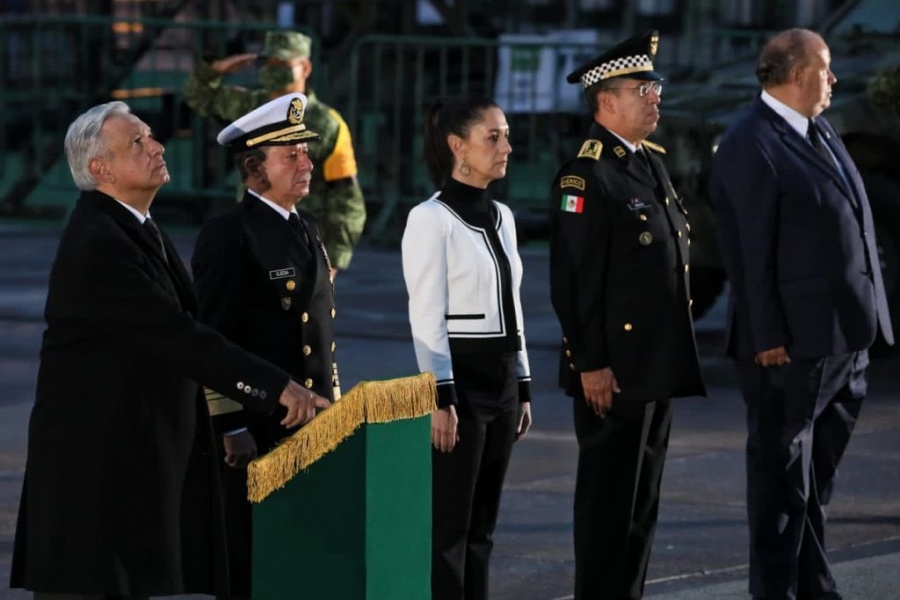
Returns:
(591, 149)
(654, 147)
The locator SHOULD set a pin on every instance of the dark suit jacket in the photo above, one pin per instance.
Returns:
(264, 289)
(618, 274)
(120, 493)
(797, 241)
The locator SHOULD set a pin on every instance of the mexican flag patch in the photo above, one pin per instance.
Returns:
(572, 204)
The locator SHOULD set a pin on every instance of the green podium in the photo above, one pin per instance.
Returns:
(342, 509)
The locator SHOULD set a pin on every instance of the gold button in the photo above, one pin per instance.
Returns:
(332, 346)
(688, 225)
(568, 353)
(333, 312)
(679, 233)
(307, 350)
(304, 317)
(667, 201)
(686, 268)
(290, 285)
(571, 367)
(643, 217)
(628, 327)
(308, 383)
(691, 302)
(565, 341)
(689, 241)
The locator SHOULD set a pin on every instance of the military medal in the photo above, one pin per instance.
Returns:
(646, 238)
(286, 303)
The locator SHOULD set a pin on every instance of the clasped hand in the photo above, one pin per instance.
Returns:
(774, 357)
(599, 387)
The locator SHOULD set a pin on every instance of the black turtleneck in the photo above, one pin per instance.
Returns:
(476, 208)
(473, 204)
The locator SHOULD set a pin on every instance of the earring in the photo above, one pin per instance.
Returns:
(465, 169)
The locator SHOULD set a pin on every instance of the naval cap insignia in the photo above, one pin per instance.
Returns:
(295, 112)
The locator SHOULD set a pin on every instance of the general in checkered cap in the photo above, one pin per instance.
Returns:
(278, 122)
(632, 58)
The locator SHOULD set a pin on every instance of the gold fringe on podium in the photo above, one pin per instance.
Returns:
(367, 402)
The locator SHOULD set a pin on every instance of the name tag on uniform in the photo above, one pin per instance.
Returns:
(281, 273)
(636, 204)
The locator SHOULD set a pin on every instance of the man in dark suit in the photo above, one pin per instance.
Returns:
(807, 300)
(263, 280)
(121, 497)
(619, 286)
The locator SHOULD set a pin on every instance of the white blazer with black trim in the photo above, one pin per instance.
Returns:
(453, 281)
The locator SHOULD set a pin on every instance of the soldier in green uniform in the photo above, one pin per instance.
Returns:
(619, 287)
(335, 198)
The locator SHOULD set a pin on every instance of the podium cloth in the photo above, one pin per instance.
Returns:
(342, 509)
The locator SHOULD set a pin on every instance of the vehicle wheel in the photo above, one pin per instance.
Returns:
(884, 197)
(707, 284)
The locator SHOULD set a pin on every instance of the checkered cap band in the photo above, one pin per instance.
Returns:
(617, 67)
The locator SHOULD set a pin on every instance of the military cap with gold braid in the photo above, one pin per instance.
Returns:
(632, 58)
(278, 122)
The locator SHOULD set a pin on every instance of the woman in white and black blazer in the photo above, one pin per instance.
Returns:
(463, 273)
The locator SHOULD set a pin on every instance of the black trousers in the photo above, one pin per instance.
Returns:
(620, 466)
(466, 487)
(238, 527)
(799, 421)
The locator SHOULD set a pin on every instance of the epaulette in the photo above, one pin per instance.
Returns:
(655, 147)
(591, 149)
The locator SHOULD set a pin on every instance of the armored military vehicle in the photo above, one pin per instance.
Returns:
(864, 38)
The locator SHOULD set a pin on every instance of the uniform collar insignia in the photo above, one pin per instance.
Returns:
(591, 149)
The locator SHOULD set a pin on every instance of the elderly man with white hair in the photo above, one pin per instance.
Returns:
(121, 499)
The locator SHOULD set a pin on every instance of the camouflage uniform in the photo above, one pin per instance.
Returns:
(335, 198)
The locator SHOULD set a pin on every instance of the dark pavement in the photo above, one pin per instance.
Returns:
(700, 549)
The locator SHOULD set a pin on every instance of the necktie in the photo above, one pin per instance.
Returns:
(157, 235)
(643, 158)
(294, 220)
(812, 132)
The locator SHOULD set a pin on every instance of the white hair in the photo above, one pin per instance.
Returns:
(85, 143)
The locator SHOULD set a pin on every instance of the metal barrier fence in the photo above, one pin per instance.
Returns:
(53, 68)
(393, 79)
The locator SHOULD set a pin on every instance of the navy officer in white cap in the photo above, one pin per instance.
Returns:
(263, 280)
(619, 286)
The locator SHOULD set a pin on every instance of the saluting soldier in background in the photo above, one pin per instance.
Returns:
(619, 286)
(263, 280)
(335, 197)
